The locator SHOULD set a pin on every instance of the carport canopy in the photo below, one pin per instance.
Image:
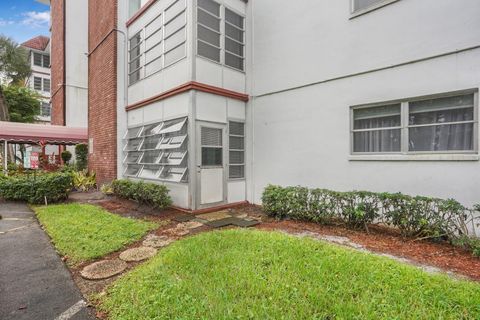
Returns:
(29, 133)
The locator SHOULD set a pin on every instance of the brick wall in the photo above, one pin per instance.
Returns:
(58, 62)
(102, 83)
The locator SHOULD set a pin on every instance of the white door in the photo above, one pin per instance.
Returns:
(211, 182)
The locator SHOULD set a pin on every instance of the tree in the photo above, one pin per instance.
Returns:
(23, 103)
(81, 156)
(14, 64)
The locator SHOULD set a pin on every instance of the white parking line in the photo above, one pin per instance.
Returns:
(70, 312)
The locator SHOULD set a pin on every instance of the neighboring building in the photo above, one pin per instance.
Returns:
(217, 99)
(39, 57)
(69, 51)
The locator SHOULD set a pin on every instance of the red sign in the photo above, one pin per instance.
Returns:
(34, 160)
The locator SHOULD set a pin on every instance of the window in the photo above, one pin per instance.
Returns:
(209, 34)
(37, 59)
(134, 56)
(234, 40)
(435, 125)
(164, 43)
(41, 60)
(46, 85)
(367, 5)
(236, 168)
(212, 147)
(45, 109)
(133, 7)
(46, 61)
(37, 83)
(157, 151)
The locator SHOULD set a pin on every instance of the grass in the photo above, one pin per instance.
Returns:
(83, 232)
(241, 274)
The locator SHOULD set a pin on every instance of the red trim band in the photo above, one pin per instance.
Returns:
(193, 85)
(140, 12)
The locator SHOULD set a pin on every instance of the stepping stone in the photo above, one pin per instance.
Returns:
(184, 218)
(212, 216)
(177, 232)
(103, 269)
(137, 254)
(246, 223)
(222, 222)
(190, 225)
(155, 241)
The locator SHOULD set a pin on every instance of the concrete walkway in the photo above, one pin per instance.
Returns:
(34, 283)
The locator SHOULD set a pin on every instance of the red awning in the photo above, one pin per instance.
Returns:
(14, 132)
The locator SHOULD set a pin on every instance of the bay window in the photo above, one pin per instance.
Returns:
(442, 124)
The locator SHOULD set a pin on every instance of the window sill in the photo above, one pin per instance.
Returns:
(371, 8)
(415, 157)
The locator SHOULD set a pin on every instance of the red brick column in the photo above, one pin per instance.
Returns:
(58, 61)
(102, 84)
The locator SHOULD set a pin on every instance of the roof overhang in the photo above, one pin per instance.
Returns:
(28, 133)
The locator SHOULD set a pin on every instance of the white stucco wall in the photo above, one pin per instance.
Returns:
(301, 135)
(76, 63)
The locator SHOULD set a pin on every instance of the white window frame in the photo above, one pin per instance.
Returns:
(223, 35)
(404, 153)
(161, 43)
(358, 12)
(242, 150)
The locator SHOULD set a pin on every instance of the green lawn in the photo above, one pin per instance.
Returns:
(84, 232)
(241, 274)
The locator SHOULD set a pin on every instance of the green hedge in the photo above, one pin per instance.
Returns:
(150, 194)
(34, 188)
(419, 217)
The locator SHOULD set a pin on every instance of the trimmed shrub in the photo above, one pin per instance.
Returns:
(81, 156)
(419, 217)
(66, 156)
(146, 193)
(34, 188)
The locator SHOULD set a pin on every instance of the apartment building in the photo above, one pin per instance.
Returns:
(218, 98)
(39, 56)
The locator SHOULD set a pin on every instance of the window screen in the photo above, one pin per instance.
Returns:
(37, 59)
(377, 129)
(158, 151)
(445, 124)
(37, 83)
(208, 30)
(364, 4)
(46, 85)
(212, 146)
(236, 167)
(45, 109)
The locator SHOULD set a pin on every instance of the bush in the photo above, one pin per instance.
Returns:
(419, 217)
(82, 181)
(34, 188)
(106, 189)
(81, 156)
(66, 156)
(150, 194)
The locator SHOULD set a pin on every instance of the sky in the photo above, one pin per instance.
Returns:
(22, 20)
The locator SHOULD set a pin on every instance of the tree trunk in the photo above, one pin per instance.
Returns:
(3, 108)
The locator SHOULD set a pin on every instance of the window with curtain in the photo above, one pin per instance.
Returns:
(443, 124)
(377, 129)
